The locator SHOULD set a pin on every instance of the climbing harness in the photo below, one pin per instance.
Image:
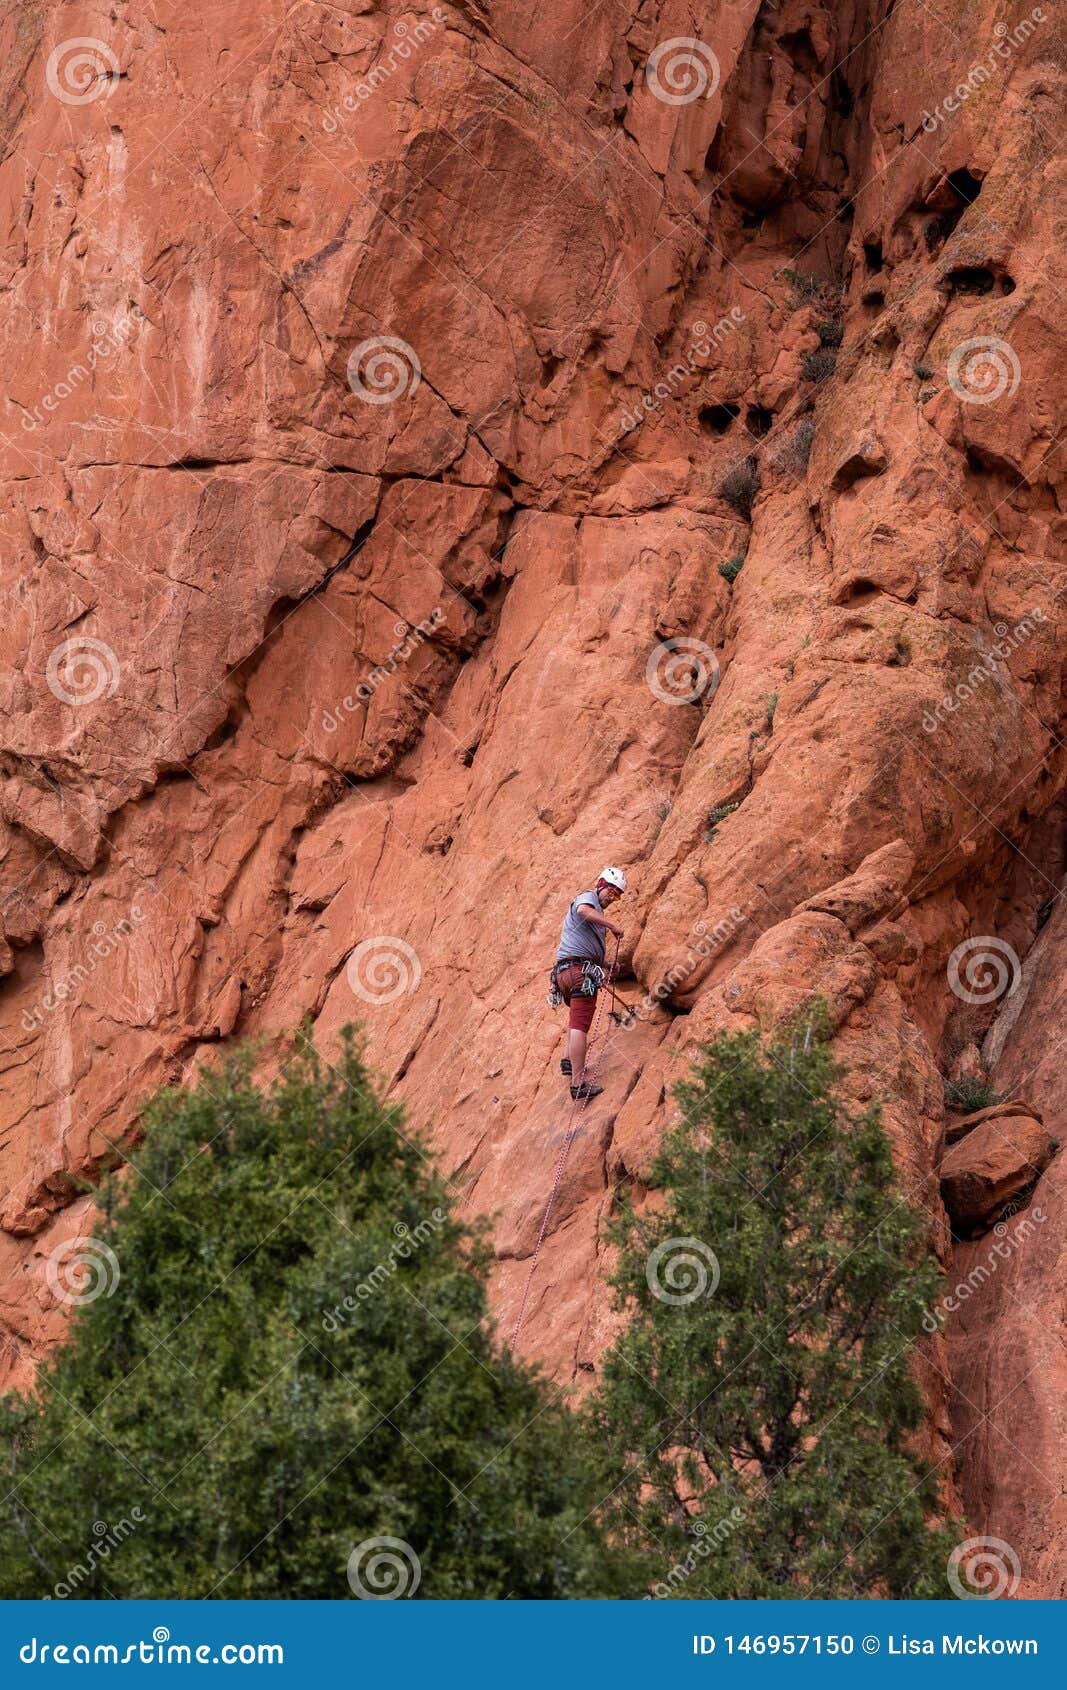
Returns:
(574, 977)
(584, 1080)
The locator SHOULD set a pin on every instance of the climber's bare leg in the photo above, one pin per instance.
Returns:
(577, 1045)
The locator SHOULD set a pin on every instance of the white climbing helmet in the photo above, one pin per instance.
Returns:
(614, 877)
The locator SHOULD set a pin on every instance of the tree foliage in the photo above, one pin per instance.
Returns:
(761, 1399)
(295, 1362)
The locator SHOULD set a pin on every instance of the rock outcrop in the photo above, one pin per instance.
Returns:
(383, 393)
(989, 1166)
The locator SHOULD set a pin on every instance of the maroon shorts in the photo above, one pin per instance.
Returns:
(581, 1014)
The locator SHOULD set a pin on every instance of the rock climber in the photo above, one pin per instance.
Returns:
(580, 971)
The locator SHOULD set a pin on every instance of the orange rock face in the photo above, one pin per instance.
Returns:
(384, 391)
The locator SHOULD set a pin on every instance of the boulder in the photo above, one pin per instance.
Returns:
(996, 1160)
(960, 1125)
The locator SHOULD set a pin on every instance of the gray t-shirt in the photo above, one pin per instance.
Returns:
(578, 937)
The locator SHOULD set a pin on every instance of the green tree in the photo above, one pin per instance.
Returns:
(293, 1365)
(761, 1398)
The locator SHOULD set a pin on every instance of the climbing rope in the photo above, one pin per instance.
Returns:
(585, 1080)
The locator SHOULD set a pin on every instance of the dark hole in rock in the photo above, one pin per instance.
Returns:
(971, 278)
(872, 256)
(550, 368)
(858, 467)
(798, 48)
(841, 93)
(966, 185)
(758, 420)
(716, 419)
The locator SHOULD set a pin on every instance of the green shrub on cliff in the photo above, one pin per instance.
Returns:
(760, 1401)
(283, 1375)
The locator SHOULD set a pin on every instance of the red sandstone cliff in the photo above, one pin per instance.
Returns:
(311, 645)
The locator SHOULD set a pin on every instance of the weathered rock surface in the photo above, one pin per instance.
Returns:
(324, 684)
(1007, 1332)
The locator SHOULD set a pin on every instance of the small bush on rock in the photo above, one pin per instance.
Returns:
(739, 487)
(819, 366)
(970, 1095)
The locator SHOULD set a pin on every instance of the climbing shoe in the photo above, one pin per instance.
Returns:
(585, 1091)
(565, 1065)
